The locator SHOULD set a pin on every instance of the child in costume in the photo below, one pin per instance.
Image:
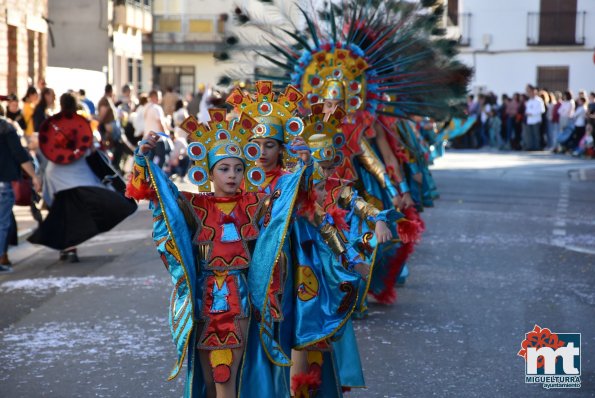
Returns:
(221, 249)
(209, 244)
(328, 367)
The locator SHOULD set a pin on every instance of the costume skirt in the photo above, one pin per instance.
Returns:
(78, 214)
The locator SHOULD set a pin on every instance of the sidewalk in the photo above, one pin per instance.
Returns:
(25, 227)
(25, 222)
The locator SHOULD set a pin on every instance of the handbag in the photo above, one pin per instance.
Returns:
(23, 191)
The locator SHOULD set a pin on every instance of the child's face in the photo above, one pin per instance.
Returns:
(227, 175)
(327, 168)
(320, 190)
(270, 150)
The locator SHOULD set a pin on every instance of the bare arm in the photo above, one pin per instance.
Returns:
(30, 170)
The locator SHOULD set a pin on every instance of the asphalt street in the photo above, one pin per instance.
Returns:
(509, 245)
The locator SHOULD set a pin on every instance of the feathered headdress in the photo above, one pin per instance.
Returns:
(377, 57)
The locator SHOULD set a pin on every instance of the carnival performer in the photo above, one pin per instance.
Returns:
(80, 205)
(322, 288)
(328, 368)
(221, 248)
(371, 61)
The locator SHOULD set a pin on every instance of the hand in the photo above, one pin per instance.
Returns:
(383, 232)
(418, 177)
(149, 143)
(406, 201)
(396, 201)
(36, 183)
(304, 154)
(363, 269)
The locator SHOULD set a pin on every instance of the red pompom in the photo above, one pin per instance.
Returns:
(307, 204)
(338, 216)
(221, 374)
(145, 191)
(389, 294)
(308, 381)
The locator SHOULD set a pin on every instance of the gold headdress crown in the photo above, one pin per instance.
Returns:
(220, 139)
(275, 116)
(323, 134)
(336, 74)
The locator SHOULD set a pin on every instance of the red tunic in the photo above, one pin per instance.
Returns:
(225, 294)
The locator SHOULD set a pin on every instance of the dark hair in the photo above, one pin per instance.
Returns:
(30, 90)
(179, 104)
(42, 102)
(143, 99)
(109, 89)
(567, 95)
(153, 93)
(82, 92)
(68, 103)
(125, 88)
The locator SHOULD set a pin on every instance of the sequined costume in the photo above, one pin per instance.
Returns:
(312, 294)
(220, 267)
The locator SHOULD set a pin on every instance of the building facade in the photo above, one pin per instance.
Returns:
(101, 36)
(187, 33)
(23, 44)
(509, 43)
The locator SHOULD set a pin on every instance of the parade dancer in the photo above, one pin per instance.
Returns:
(237, 237)
(373, 62)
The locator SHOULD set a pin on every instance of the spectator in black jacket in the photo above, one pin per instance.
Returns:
(13, 158)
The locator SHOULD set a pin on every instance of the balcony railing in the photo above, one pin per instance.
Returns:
(464, 23)
(556, 28)
(189, 28)
(139, 3)
(134, 14)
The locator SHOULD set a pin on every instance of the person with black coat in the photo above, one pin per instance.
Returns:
(13, 160)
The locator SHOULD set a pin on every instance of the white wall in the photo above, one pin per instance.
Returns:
(508, 64)
(507, 73)
(64, 79)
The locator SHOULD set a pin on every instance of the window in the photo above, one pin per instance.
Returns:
(180, 78)
(552, 78)
(453, 12)
(41, 54)
(557, 22)
(31, 54)
(12, 60)
(169, 25)
(130, 76)
(139, 76)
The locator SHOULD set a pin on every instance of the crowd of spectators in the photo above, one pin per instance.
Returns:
(535, 120)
